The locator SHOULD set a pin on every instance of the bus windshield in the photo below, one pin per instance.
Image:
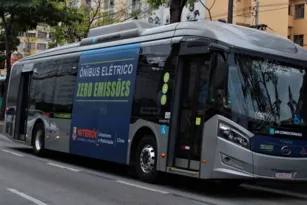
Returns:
(265, 93)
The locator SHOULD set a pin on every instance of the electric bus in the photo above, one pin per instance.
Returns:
(203, 99)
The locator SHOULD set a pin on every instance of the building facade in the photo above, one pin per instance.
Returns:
(161, 16)
(34, 41)
(287, 18)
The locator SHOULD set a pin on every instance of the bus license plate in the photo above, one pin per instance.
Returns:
(283, 175)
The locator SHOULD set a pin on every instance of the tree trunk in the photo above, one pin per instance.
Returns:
(176, 10)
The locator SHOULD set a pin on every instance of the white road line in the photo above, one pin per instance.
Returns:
(13, 153)
(277, 191)
(142, 187)
(36, 201)
(63, 167)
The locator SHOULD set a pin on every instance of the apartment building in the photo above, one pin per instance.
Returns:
(34, 41)
(287, 18)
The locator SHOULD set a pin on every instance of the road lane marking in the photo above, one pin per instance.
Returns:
(142, 187)
(30, 198)
(276, 191)
(13, 153)
(63, 167)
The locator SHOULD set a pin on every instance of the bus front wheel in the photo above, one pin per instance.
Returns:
(39, 139)
(146, 159)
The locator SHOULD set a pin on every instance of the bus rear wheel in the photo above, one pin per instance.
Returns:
(146, 160)
(38, 139)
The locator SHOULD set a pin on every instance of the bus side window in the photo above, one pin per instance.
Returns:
(65, 86)
(13, 89)
(153, 86)
(42, 86)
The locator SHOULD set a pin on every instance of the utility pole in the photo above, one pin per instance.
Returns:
(230, 11)
(257, 13)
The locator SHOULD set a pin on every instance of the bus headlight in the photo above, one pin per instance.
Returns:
(233, 135)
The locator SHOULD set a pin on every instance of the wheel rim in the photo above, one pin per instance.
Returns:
(38, 140)
(147, 158)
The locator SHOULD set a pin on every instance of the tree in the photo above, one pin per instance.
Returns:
(176, 7)
(93, 16)
(17, 16)
(208, 8)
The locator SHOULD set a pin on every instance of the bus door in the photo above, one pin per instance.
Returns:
(23, 102)
(192, 89)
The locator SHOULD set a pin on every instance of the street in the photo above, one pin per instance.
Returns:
(72, 180)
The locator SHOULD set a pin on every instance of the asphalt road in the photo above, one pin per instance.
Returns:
(71, 180)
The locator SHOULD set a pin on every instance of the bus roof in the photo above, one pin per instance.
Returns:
(138, 31)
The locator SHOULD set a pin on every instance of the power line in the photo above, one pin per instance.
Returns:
(250, 8)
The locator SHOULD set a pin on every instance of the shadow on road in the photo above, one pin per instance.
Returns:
(180, 183)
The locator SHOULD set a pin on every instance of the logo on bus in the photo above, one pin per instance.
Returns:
(285, 150)
(87, 133)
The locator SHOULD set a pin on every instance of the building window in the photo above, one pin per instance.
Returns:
(299, 39)
(51, 36)
(136, 6)
(299, 11)
(21, 34)
(31, 35)
(106, 4)
(41, 34)
(30, 46)
(290, 10)
(73, 3)
(112, 3)
(41, 46)
(42, 24)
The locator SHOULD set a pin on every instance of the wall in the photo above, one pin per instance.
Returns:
(161, 16)
(300, 25)
(274, 13)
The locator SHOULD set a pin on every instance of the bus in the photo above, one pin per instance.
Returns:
(202, 99)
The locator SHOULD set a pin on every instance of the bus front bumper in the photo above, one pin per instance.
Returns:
(235, 162)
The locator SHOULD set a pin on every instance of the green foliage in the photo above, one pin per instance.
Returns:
(26, 14)
(18, 16)
(155, 4)
(23, 15)
(176, 7)
(91, 18)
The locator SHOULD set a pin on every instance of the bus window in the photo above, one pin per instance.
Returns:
(149, 95)
(65, 88)
(42, 87)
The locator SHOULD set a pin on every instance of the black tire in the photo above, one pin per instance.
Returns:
(38, 139)
(146, 146)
